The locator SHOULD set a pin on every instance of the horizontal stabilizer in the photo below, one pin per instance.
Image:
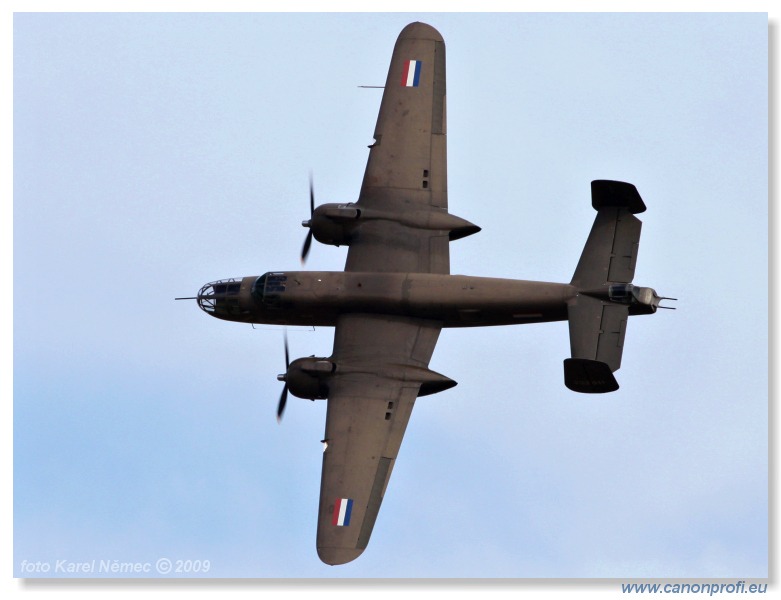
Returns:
(596, 334)
(606, 297)
(610, 253)
(588, 376)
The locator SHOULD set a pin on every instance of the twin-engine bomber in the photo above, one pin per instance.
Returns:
(396, 294)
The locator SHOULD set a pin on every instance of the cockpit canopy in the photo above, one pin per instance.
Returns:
(268, 289)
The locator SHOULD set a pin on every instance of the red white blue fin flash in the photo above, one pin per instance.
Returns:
(411, 75)
(343, 507)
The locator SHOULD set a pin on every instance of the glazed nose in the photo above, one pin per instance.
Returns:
(220, 297)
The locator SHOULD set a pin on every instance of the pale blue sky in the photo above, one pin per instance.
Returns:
(156, 152)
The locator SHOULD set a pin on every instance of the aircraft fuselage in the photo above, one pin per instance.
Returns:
(319, 297)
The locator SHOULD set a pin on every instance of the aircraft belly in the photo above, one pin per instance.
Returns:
(457, 301)
(461, 301)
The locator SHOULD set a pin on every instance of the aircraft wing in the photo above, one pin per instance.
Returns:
(382, 362)
(406, 174)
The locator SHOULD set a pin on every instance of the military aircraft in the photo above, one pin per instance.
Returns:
(396, 294)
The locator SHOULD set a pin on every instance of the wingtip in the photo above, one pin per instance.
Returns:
(338, 556)
(421, 31)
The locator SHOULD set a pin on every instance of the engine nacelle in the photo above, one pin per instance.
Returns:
(333, 224)
(308, 377)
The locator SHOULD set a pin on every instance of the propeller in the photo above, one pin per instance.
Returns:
(283, 377)
(308, 223)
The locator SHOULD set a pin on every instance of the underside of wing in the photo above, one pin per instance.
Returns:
(362, 443)
(382, 366)
(405, 226)
(409, 151)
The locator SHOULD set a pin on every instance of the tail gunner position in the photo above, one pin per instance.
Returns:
(396, 294)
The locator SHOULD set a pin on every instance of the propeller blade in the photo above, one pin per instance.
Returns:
(311, 196)
(287, 353)
(283, 396)
(308, 240)
(307, 246)
(282, 403)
